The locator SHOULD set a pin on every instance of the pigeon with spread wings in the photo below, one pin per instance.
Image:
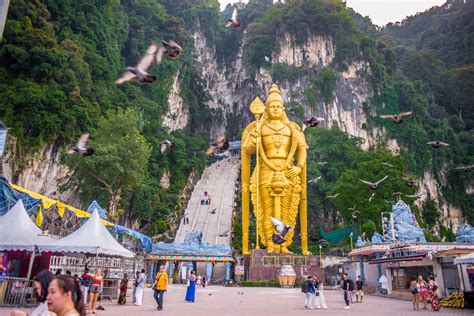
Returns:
(234, 21)
(221, 144)
(165, 145)
(140, 71)
(312, 122)
(281, 229)
(437, 144)
(373, 185)
(81, 146)
(396, 118)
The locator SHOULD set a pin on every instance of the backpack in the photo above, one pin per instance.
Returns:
(351, 285)
(86, 282)
(304, 287)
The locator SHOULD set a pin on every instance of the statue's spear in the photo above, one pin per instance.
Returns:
(257, 108)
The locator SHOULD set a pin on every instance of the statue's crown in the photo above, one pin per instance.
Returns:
(274, 94)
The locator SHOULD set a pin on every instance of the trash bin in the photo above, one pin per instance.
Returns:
(469, 300)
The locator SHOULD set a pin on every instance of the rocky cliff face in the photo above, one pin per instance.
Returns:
(231, 90)
(40, 172)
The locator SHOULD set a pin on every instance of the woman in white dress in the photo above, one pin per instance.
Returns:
(199, 279)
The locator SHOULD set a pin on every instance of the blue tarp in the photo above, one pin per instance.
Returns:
(465, 234)
(3, 137)
(95, 206)
(145, 240)
(9, 196)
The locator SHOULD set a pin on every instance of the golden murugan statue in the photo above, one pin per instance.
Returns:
(278, 182)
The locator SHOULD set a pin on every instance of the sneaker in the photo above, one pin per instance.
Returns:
(319, 307)
(311, 307)
(305, 306)
(347, 307)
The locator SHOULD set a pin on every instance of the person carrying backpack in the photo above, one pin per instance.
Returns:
(309, 289)
(85, 283)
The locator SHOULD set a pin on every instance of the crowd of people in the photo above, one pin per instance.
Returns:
(420, 289)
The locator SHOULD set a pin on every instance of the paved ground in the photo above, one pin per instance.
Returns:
(260, 301)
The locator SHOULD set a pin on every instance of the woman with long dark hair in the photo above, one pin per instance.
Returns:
(41, 282)
(122, 300)
(65, 297)
(191, 290)
(434, 291)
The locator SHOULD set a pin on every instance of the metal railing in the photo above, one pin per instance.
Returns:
(16, 292)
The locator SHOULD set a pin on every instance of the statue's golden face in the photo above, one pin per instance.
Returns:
(275, 110)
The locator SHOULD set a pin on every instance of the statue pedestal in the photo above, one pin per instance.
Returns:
(260, 266)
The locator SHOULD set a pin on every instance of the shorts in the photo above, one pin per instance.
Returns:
(360, 292)
(95, 289)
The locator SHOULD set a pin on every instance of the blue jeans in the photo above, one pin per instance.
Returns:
(158, 295)
(346, 297)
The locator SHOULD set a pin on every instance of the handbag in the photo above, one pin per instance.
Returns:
(414, 291)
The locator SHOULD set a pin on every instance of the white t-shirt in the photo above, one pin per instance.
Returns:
(42, 310)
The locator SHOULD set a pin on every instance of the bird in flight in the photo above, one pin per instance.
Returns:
(466, 168)
(153, 55)
(220, 144)
(165, 145)
(234, 21)
(312, 122)
(333, 196)
(437, 144)
(373, 185)
(281, 229)
(315, 180)
(415, 196)
(397, 118)
(224, 234)
(81, 146)
(213, 211)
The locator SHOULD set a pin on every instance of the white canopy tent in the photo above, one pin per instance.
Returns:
(18, 232)
(92, 238)
(469, 258)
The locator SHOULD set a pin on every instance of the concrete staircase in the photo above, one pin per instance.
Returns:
(219, 181)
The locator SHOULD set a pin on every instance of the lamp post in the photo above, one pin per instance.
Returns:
(320, 256)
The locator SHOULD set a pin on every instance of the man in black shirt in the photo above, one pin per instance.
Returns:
(346, 289)
(359, 289)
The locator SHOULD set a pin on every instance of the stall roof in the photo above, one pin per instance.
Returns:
(372, 249)
(92, 238)
(465, 259)
(18, 232)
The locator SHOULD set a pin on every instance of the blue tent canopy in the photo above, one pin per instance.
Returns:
(95, 206)
(9, 196)
(145, 240)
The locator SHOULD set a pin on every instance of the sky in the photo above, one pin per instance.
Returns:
(381, 12)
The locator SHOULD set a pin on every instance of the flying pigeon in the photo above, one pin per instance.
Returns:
(397, 195)
(371, 197)
(415, 196)
(437, 144)
(353, 208)
(81, 146)
(281, 229)
(224, 234)
(466, 168)
(165, 145)
(213, 212)
(139, 72)
(397, 118)
(220, 144)
(333, 196)
(315, 180)
(210, 294)
(387, 164)
(312, 122)
(172, 49)
(373, 185)
(234, 21)
(322, 163)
